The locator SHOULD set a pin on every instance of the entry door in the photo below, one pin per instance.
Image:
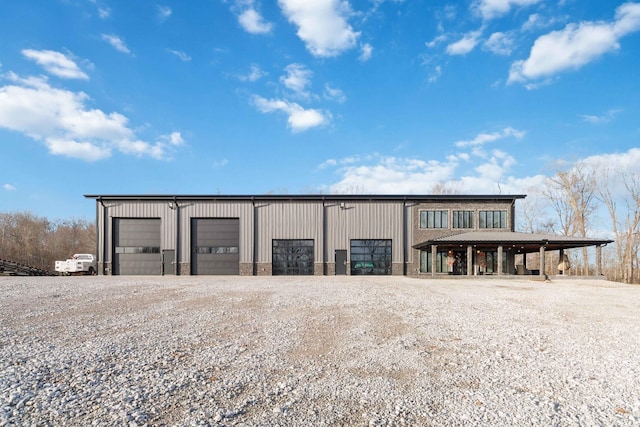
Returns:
(341, 262)
(169, 262)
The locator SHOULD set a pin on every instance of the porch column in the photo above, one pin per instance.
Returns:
(500, 260)
(434, 254)
(542, 249)
(598, 260)
(561, 262)
(469, 260)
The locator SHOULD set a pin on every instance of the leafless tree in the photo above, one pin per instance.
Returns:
(571, 194)
(38, 242)
(625, 224)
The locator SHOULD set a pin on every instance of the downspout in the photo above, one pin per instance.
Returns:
(255, 237)
(404, 237)
(178, 243)
(325, 253)
(105, 231)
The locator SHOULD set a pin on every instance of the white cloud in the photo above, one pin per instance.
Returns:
(60, 119)
(499, 43)
(299, 119)
(253, 22)
(436, 41)
(220, 163)
(254, 75)
(116, 42)
(174, 138)
(297, 79)
(483, 138)
(334, 94)
(366, 51)
(180, 54)
(435, 74)
(164, 12)
(575, 46)
(490, 9)
(8, 187)
(56, 63)
(104, 12)
(466, 44)
(322, 25)
(605, 118)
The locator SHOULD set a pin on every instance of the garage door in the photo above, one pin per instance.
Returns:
(137, 246)
(214, 246)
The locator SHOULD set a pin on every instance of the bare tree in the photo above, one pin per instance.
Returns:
(36, 241)
(571, 194)
(626, 227)
(446, 187)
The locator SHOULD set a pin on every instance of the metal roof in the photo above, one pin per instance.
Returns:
(524, 242)
(311, 197)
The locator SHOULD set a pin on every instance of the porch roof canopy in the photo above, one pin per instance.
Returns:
(518, 242)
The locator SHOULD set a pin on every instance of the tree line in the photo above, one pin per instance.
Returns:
(39, 242)
(591, 197)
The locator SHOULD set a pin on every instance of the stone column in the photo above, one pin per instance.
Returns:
(561, 262)
(500, 260)
(542, 249)
(598, 260)
(469, 260)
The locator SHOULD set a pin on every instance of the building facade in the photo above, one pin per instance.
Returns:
(314, 235)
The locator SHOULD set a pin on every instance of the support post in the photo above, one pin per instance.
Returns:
(500, 260)
(434, 254)
(542, 261)
(469, 260)
(599, 260)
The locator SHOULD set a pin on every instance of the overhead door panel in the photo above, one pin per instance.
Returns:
(215, 246)
(137, 246)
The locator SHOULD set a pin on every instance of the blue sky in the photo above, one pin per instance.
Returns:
(295, 96)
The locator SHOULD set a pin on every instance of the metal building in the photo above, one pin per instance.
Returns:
(313, 235)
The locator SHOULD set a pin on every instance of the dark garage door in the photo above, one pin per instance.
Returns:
(215, 246)
(136, 246)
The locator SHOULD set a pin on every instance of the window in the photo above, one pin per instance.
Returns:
(462, 219)
(217, 249)
(137, 250)
(434, 219)
(371, 257)
(426, 261)
(292, 257)
(493, 219)
(488, 261)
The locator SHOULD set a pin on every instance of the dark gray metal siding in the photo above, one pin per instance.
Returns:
(129, 236)
(215, 233)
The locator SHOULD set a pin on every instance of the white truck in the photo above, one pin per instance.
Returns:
(77, 265)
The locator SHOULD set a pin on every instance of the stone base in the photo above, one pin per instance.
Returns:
(246, 269)
(318, 269)
(184, 269)
(264, 269)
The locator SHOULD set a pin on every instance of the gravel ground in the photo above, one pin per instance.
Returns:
(252, 351)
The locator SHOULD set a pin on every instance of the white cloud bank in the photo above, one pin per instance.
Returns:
(322, 25)
(56, 63)
(8, 187)
(60, 119)
(575, 46)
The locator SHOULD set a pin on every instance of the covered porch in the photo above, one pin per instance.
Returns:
(497, 253)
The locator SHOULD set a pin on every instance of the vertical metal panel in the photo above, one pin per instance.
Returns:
(136, 234)
(243, 210)
(289, 220)
(365, 220)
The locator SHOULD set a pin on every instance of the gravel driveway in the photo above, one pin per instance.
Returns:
(318, 351)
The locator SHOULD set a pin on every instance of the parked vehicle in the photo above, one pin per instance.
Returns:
(77, 265)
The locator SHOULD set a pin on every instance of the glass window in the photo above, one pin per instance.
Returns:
(434, 219)
(462, 219)
(292, 257)
(371, 257)
(137, 250)
(492, 219)
(426, 258)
